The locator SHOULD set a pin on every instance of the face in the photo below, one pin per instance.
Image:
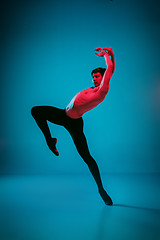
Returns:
(97, 78)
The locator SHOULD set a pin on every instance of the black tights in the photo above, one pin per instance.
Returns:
(74, 126)
(42, 114)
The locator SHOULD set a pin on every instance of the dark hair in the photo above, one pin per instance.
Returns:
(100, 70)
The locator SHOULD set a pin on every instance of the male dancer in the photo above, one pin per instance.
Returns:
(71, 116)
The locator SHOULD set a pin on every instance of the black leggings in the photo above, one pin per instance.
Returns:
(42, 114)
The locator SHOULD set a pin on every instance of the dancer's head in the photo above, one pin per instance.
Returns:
(97, 75)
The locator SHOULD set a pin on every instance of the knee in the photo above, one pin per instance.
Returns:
(87, 158)
(34, 111)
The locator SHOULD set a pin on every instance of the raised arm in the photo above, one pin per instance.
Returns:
(111, 53)
(104, 86)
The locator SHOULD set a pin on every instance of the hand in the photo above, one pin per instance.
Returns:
(101, 52)
(109, 49)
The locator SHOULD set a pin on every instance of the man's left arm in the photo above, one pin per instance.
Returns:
(113, 60)
(110, 62)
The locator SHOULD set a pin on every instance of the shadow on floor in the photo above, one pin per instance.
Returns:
(112, 223)
(141, 208)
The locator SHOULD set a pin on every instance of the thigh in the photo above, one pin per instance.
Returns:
(81, 144)
(75, 128)
(52, 114)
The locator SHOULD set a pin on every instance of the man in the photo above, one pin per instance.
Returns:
(71, 116)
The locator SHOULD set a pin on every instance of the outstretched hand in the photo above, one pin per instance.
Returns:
(104, 51)
(109, 49)
(101, 52)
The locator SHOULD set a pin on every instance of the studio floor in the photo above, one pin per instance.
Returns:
(69, 207)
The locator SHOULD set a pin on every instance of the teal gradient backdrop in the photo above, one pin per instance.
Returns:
(47, 57)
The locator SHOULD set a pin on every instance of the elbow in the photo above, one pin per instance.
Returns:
(111, 67)
(110, 70)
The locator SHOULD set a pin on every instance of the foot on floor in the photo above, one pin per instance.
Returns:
(106, 198)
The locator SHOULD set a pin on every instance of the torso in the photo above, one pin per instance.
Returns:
(83, 102)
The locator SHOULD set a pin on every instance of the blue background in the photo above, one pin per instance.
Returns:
(47, 54)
